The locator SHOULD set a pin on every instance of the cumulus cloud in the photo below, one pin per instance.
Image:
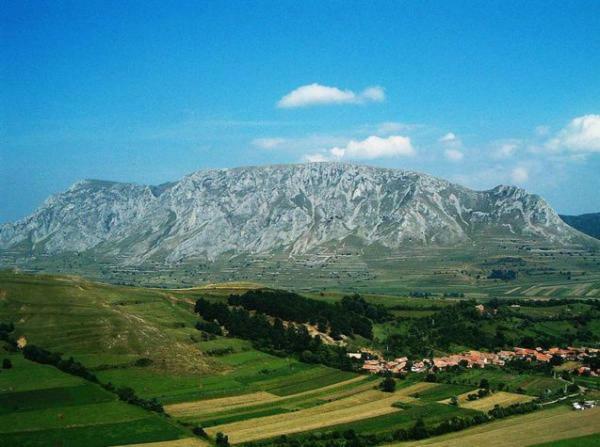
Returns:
(317, 94)
(375, 147)
(582, 134)
(268, 143)
(519, 174)
(452, 145)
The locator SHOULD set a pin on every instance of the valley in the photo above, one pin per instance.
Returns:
(151, 374)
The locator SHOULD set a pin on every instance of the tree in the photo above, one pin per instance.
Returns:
(6, 364)
(388, 385)
(484, 383)
(419, 430)
(222, 440)
(454, 401)
(199, 431)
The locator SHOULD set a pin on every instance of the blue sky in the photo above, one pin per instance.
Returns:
(481, 93)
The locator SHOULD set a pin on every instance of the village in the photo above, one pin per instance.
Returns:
(373, 363)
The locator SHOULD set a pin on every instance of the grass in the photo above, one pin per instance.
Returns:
(580, 441)
(280, 404)
(245, 393)
(44, 406)
(363, 405)
(533, 384)
(334, 409)
(53, 397)
(541, 426)
(186, 442)
(25, 376)
(432, 413)
(250, 371)
(105, 324)
(149, 429)
(443, 391)
(500, 398)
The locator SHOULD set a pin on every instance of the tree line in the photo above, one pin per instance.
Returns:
(273, 336)
(352, 315)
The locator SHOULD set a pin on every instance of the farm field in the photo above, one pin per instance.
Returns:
(48, 407)
(355, 405)
(364, 405)
(530, 383)
(248, 371)
(500, 398)
(582, 441)
(532, 429)
(149, 343)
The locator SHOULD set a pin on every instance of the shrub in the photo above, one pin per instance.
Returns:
(388, 385)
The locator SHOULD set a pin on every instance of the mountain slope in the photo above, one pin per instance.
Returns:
(278, 209)
(586, 223)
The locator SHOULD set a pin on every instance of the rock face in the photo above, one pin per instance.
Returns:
(282, 208)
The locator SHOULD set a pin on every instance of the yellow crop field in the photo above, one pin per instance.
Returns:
(187, 442)
(501, 398)
(530, 429)
(211, 406)
(226, 403)
(363, 405)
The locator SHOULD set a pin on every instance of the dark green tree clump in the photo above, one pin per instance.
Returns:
(273, 337)
(352, 315)
(388, 385)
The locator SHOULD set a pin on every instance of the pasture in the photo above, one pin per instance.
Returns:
(500, 398)
(40, 406)
(531, 429)
(529, 383)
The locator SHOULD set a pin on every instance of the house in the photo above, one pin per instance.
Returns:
(418, 367)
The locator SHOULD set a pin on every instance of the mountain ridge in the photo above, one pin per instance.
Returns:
(278, 208)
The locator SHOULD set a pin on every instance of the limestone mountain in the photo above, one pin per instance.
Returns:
(281, 208)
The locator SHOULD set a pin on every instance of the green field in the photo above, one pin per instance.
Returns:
(532, 429)
(530, 383)
(40, 406)
(146, 339)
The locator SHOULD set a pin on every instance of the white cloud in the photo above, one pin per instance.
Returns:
(520, 174)
(315, 158)
(391, 127)
(582, 134)
(317, 94)
(268, 143)
(454, 154)
(505, 149)
(449, 138)
(375, 147)
(452, 145)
